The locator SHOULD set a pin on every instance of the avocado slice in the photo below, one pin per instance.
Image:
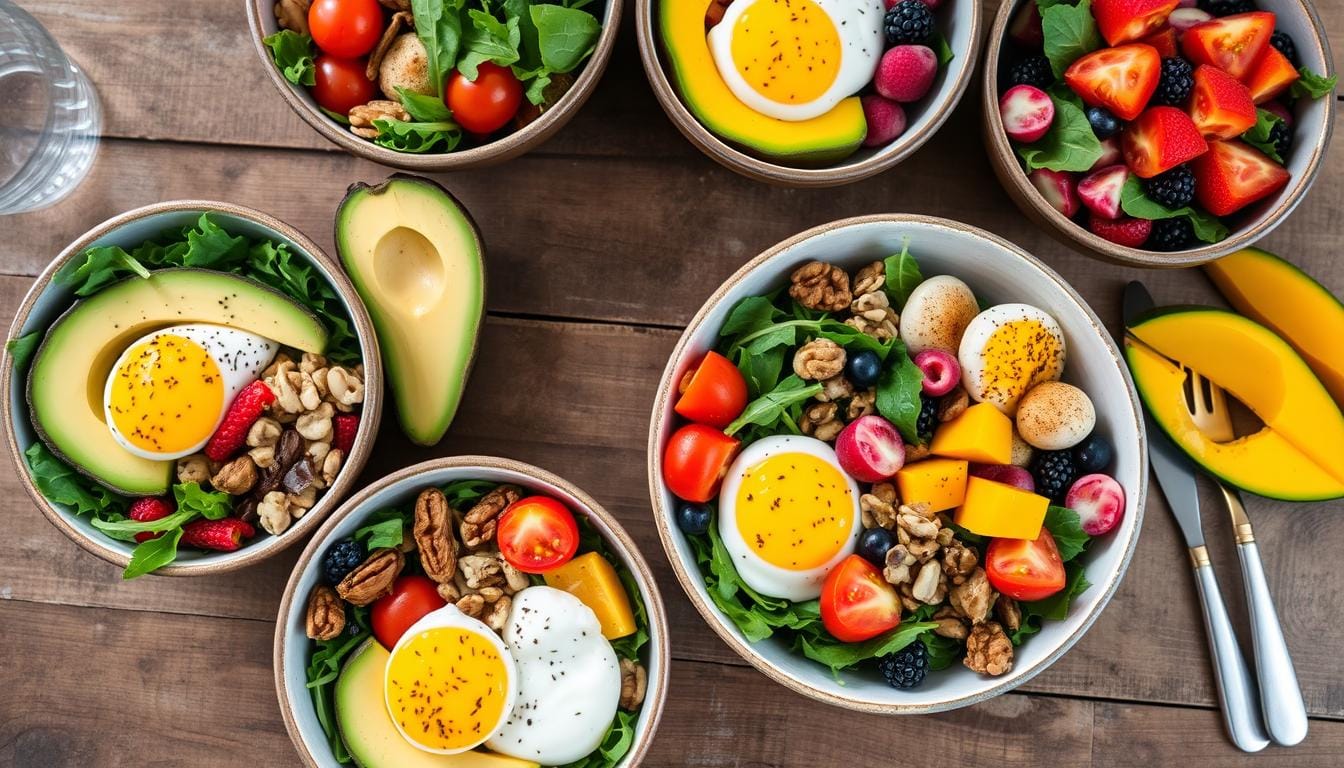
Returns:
(367, 728)
(416, 258)
(70, 368)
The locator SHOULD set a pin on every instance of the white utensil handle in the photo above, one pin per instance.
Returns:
(1236, 687)
(1280, 696)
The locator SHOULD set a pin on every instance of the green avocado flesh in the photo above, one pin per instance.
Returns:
(415, 256)
(70, 368)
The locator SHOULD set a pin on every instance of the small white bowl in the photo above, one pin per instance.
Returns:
(997, 271)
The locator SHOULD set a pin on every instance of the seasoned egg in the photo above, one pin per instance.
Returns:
(169, 390)
(796, 59)
(936, 315)
(787, 515)
(569, 679)
(1053, 416)
(450, 682)
(1008, 349)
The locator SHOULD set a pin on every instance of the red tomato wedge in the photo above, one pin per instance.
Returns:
(1122, 21)
(1164, 40)
(1220, 105)
(1023, 569)
(1271, 75)
(1232, 43)
(695, 460)
(857, 603)
(1161, 139)
(412, 597)
(1121, 79)
(714, 393)
(1233, 174)
(536, 534)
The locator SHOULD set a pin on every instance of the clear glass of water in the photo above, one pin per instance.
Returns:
(49, 116)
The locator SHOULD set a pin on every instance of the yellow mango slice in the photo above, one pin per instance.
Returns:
(594, 581)
(1000, 510)
(940, 483)
(982, 433)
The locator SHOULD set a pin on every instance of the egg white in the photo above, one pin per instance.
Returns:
(976, 369)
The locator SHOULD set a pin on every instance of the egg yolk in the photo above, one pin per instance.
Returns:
(166, 395)
(787, 50)
(794, 510)
(446, 688)
(1018, 356)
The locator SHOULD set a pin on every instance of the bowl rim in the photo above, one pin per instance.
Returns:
(1006, 168)
(370, 415)
(663, 516)
(611, 528)
(784, 175)
(504, 148)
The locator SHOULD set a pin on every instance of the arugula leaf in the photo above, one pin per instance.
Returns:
(1258, 135)
(1067, 530)
(438, 24)
(769, 408)
(21, 349)
(903, 275)
(1069, 32)
(461, 492)
(417, 138)
(324, 666)
(275, 265)
(62, 485)
(1135, 202)
(1056, 606)
(1069, 145)
(751, 314)
(125, 530)
(898, 395)
(488, 39)
(565, 36)
(427, 109)
(102, 266)
(839, 656)
(1311, 85)
(212, 505)
(337, 116)
(383, 528)
(293, 55)
(152, 554)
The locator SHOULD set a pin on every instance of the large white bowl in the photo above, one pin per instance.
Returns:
(997, 271)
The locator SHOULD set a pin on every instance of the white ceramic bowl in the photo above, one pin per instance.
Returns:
(997, 271)
(292, 645)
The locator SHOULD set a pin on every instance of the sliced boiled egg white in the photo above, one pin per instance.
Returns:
(1008, 349)
(569, 679)
(796, 59)
(169, 390)
(936, 315)
(787, 515)
(450, 682)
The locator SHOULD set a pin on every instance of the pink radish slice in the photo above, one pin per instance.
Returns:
(1006, 474)
(1099, 501)
(1027, 113)
(1182, 19)
(1110, 154)
(1058, 188)
(1100, 191)
(906, 72)
(886, 120)
(941, 370)
(870, 449)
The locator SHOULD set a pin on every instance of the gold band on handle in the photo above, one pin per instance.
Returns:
(1241, 523)
(1199, 556)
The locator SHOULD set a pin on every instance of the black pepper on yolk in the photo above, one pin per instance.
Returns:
(787, 50)
(794, 510)
(166, 394)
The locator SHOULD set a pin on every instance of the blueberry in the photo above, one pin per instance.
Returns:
(1103, 123)
(1094, 454)
(863, 369)
(693, 518)
(873, 545)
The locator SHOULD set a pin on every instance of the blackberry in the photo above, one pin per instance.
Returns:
(1285, 44)
(343, 557)
(909, 22)
(1054, 472)
(1174, 188)
(1033, 70)
(1171, 234)
(928, 418)
(907, 667)
(1226, 7)
(1281, 136)
(1178, 79)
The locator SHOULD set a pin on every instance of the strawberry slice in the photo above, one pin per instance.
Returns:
(1100, 191)
(1161, 139)
(1271, 75)
(1233, 174)
(1121, 79)
(1221, 106)
(1122, 21)
(1164, 40)
(1232, 43)
(1058, 188)
(1131, 233)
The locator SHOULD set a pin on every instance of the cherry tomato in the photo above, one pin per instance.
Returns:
(340, 84)
(695, 461)
(857, 603)
(486, 104)
(345, 28)
(1025, 570)
(714, 393)
(412, 597)
(537, 534)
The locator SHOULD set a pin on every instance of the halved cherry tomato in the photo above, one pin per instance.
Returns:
(1220, 105)
(537, 534)
(1025, 570)
(486, 104)
(714, 393)
(1164, 40)
(340, 84)
(1232, 43)
(1271, 75)
(695, 460)
(1121, 21)
(391, 615)
(1121, 79)
(345, 28)
(857, 603)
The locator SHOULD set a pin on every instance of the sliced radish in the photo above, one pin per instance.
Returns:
(886, 120)
(1058, 188)
(1006, 474)
(1099, 501)
(1182, 19)
(1027, 113)
(870, 449)
(1110, 154)
(1025, 28)
(1100, 191)
(941, 370)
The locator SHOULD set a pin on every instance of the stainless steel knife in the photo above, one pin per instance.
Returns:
(1176, 476)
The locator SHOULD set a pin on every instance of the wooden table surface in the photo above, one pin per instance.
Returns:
(600, 246)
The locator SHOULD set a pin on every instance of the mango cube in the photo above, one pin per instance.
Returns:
(593, 580)
(940, 483)
(981, 434)
(1001, 511)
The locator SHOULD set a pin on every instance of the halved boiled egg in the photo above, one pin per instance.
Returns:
(787, 515)
(1008, 349)
(796, 59)
(169, 390)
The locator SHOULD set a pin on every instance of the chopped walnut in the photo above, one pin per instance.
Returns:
(906, 594)
(988, 650)
(472, 605)
(929, 587)
(871, 278)
(950, 624)
(433, 534)
(301, 502)
(973, 597)
(959, 560)
(818, 285)
(316, 424)
(514, 579)
(309, 397)
(273, 512)
(237, 477)
(917, 528)
(916, 451)
(821, 420)
(499, 613)
(264, 432)
(263, 457)
(878, 507)
(835, 388)
(634, 684)
(193, 469)
(361, 124)
(862, 404)
(898, 564)
(1008, 612)
(293, 14)
(481, 571)
(478, 524)
(326, 614)
(310, 362)
(285, 388)
(280, 360)
(874, 316)
(372, 578)
(953, 404)
(344, 388)
(818, 360)
(449, 592)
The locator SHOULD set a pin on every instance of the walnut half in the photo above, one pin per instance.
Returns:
(372, 578)
(326, 614)
(818, 285)
(433, 532)
(634, 684)
(988, 650)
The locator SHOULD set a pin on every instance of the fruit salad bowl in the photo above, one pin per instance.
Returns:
(1224, 149)
(332, 688)
(221, 282)
(881, 658)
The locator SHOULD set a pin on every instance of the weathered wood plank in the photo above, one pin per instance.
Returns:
(1133, 736)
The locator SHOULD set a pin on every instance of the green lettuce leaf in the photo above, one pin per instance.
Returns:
(151, 555)
(1136, 202)
(293, 55)
(1311, 85)
(62, 485)
(565, 36)
(898, 397)
(1069, 145)
(1258, 135)
(1069, 32)
(21, 349)
(417, 138)
(902, 274)
(1067, 530)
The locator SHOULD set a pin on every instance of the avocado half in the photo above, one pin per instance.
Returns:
(416, 258)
